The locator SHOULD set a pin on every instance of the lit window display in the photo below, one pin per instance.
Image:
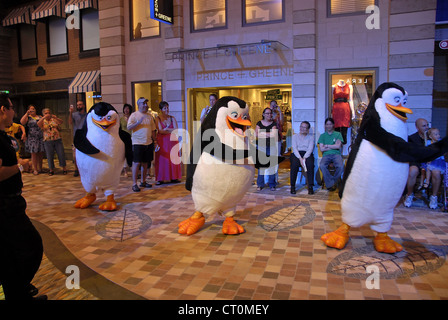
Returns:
(141, 23)
(349, 94)
(262, 11)
(209, 14)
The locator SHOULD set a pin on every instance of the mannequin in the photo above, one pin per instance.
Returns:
(343, 110)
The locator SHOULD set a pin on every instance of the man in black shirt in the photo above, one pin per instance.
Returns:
(21, 247)
(417, 138)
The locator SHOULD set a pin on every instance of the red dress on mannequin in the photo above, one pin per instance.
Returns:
(341, 108)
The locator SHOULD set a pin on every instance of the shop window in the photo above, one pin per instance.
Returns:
(208, 14)
(142, 26)
(348, 7)
(57, 37)
(90, 30)
(351, 88)
(151, 90)
(263, 11)
(27, 42)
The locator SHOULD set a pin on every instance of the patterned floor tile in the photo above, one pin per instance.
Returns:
(279, 257)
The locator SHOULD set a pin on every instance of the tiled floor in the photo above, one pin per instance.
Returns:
(136, 252)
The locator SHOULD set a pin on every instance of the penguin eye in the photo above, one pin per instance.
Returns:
(244, 117)
(405, 100)
(108, 118)
(397, 99)
(234, 115)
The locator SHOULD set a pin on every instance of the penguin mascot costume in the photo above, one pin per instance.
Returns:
(222, 165)
(101, 148)
(378, 167)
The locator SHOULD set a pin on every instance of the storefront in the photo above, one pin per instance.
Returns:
(255, 72)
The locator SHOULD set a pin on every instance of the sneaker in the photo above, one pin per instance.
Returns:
(433, 202)
(135, 188)
(408, 200)
(145, 185)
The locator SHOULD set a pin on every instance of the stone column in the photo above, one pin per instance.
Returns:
(112, 52)
(304, 59)
(411, 53)
(174, 86)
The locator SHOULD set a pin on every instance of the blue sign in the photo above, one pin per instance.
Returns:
(161, 10)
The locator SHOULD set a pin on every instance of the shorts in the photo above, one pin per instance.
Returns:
(143, 153)
(438, 164)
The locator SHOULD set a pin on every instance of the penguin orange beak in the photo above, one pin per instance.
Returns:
(104, 124)
(238, 126)
(399, 111)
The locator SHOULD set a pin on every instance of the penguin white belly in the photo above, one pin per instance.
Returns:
(373, 188)
(102, 171)
(218, 186)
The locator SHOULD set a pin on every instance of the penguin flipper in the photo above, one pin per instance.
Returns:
(401, 150)
(126, 138)
(82, 143)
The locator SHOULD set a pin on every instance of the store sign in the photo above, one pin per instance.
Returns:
(443, 44)
(161, 10)
(224, 51)
(266, 72)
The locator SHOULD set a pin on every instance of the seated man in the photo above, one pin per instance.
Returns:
(417, 138)
(330, 143)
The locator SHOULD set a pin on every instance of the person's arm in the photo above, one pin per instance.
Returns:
(310, 147)
(132, 123)
(7, 172)
(22, 128)
(40, 123)
(70, 116)
(295, 150)
(59, 121)
(24, 119)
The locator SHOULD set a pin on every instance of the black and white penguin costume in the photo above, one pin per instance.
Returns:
(378, 167)
(101, 149)
(222, 167)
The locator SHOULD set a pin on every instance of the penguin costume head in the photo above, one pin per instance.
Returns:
(102, 119)
(229, 117)
(387, 109)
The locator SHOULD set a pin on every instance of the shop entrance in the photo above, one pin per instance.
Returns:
(257, 97)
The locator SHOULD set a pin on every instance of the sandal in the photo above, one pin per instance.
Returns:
(64, 172)
(51, 172)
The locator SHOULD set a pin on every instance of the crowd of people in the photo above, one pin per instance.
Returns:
(153, 146)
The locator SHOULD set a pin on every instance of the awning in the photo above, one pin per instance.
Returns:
(49, 8)
(73, 5)
(19, 15)
(85, 82)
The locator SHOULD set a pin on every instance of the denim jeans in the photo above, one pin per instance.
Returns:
(336, 159)
(50, 147)
(261, 172)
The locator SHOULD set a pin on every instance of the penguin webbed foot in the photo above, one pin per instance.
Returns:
(383, 243)
(338, 238)
(85, 201)
(109, 204)
(192, 225)
(230, 227)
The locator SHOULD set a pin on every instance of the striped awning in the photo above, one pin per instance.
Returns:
(85, 82)
(49, 8)
(19, 15)
(73, 5)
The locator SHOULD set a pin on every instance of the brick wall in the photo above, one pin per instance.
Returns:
(54, 70)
